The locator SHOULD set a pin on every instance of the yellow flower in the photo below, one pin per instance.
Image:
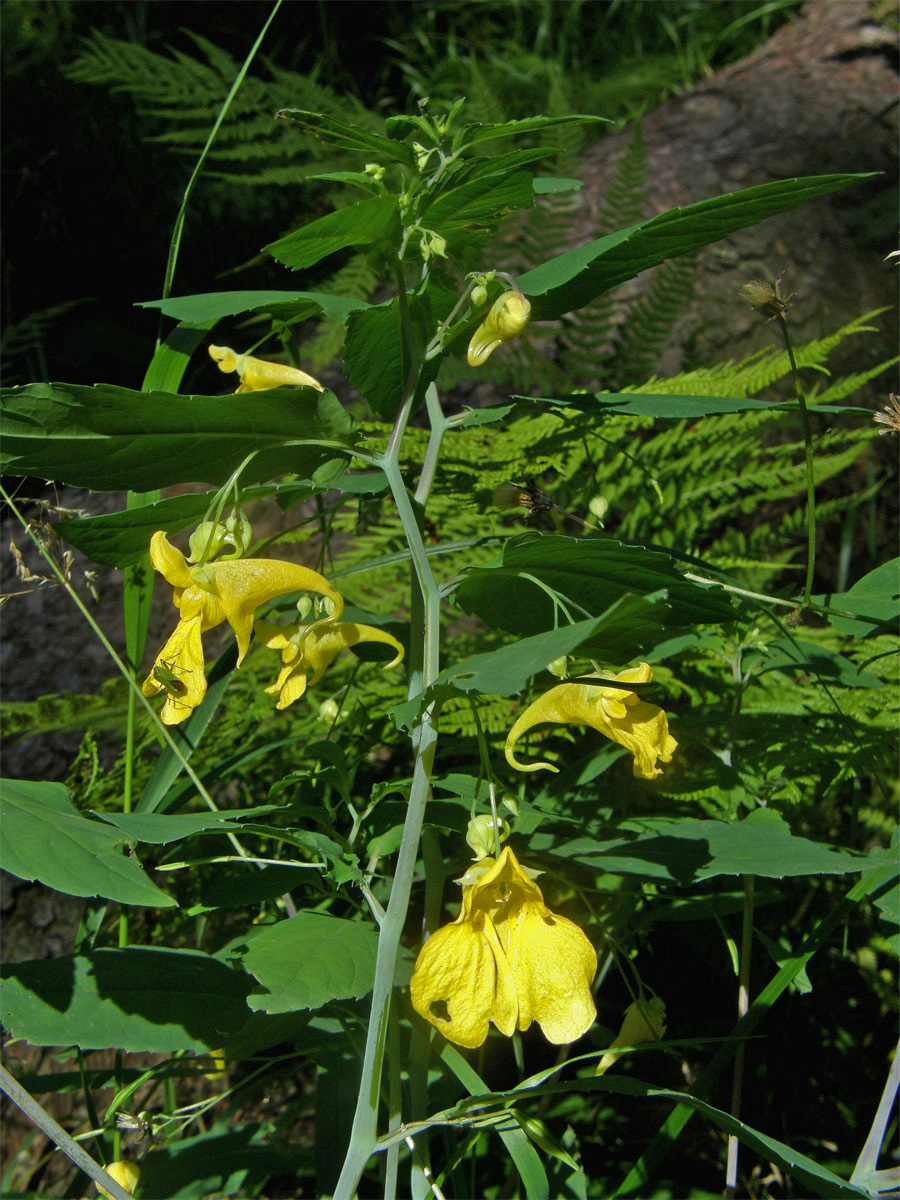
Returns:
(621, 715)
(256, 374)
(508, 959)
(205, 596)
(645, 1021)
(126, 1174)
(509, 315)
(310, 650)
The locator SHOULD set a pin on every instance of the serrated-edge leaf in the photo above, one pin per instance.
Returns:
(361, 224)
(215, 306)
(571, 280)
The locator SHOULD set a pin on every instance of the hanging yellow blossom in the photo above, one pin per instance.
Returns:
(640, 727)
(508, 959)
(645, 1021)
(207, 595)
(310, 649)
(125, 1173)
(509, 315)
(256, 374)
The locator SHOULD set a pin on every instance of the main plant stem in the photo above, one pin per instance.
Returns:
(424, 633)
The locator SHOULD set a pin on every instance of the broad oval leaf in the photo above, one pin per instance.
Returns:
(588, 575)
(137, 998)
(310, 959)
(687, 850)
(873, 600)
(44, 837)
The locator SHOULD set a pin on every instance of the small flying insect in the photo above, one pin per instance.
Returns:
(141, 1125)
(529, 496)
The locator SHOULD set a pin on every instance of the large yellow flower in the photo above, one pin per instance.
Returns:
(640, 727)
(509, 315)
(310, 650)
(256, 375)
(508, 959)
(207, 595)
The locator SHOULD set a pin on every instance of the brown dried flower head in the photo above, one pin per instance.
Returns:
(766, 298)
(890, 415)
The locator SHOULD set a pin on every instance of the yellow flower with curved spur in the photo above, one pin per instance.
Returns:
(207, 595)
(125, 1173)
(256, 374)
(640, 727)
(310, 650)
(509, 315)
(644, 1021)
(508, 959)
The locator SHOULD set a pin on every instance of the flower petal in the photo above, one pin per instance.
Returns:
(641, 727)
(169, 561)
(243, 584)
(454, 985)
(182, 659)
(552, 964)
(323, 642)
(509, 315)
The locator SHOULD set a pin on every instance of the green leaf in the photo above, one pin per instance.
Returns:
(44, 837)
(794, 655)
(546, 186)
(211, 307)
(375, 353)
(687, 850)
(670, 407)
(571, 280)
(140, 999)
(815, 1179)
(466, 170)
(159, 829)
(234, 888)
(588, 574)
(107, 437)
(121, 538)
(474, 209)
(347, 137)
(526, 1159)
(360, 224)
(310, 959)
(238, 1161)
(471, 135)
(874, 601)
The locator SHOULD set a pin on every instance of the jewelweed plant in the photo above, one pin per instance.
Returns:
(581, 746)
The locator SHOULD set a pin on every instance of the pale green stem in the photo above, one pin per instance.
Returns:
(439, 427)
(57, 1134)
(864, 1171)
(742, 1008)
(395, 1110)
(364, 1132)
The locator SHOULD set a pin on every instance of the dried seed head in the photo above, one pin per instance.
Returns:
(766, 298)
